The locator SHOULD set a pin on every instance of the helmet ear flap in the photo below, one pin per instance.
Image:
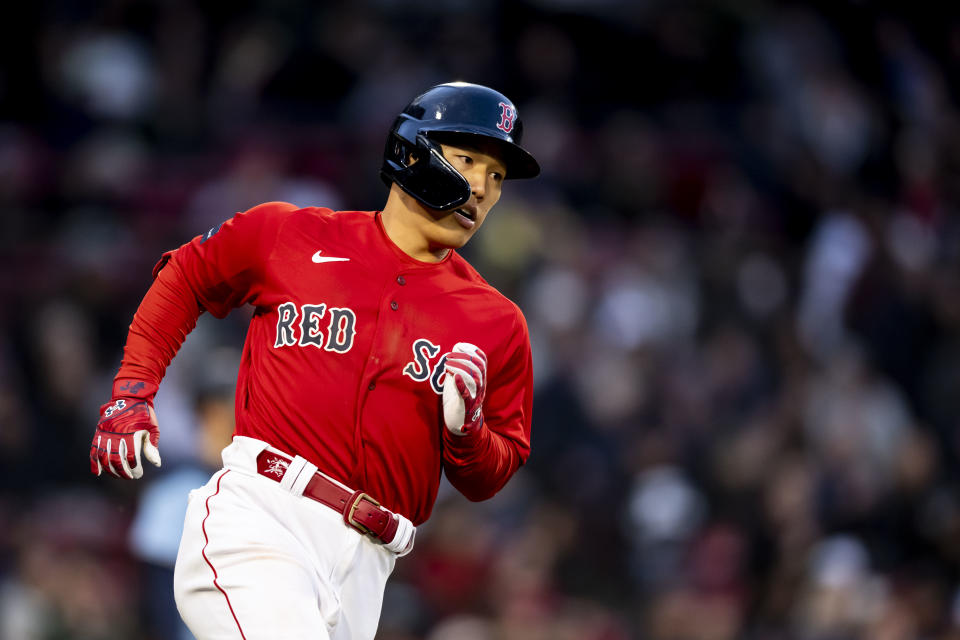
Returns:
(430, 178)
(433, 180)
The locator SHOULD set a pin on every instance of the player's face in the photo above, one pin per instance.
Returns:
(485, 171)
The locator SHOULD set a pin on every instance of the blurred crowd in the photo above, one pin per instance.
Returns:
(740, 269)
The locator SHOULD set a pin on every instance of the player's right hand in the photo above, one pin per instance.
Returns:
(127, 428)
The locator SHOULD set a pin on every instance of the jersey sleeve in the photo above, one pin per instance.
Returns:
(167, 313)
(216, 271)
(223, 267)
(480, 464)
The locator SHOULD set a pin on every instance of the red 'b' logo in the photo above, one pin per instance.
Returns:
(507, 117)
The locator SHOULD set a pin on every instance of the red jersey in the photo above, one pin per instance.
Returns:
(342, 363)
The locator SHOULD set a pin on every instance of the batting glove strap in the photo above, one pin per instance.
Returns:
(131, 388)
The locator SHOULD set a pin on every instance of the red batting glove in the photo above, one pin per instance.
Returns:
(464, 388)
(127, 427)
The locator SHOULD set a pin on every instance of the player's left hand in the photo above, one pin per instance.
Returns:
(464, 388)
(127, 428)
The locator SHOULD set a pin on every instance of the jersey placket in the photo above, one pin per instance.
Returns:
(390, 304)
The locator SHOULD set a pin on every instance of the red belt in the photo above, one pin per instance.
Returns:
(359, 510)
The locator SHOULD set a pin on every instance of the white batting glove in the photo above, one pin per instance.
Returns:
(464, 388)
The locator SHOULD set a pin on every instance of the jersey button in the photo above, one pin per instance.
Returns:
(401, 280)
(372, 386)
(394, 305)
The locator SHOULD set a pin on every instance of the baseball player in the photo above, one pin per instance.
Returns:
(376, 358)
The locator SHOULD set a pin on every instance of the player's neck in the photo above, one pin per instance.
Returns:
(403, 222)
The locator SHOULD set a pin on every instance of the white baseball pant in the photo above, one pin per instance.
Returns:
(260, 562)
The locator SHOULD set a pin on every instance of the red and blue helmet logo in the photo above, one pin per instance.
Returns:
(508, 115)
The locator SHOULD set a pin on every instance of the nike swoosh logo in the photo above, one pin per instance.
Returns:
(319, 258)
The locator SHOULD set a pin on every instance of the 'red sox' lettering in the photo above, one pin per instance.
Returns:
(421, 368)
(305, 327)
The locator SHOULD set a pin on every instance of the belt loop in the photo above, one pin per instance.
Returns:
(298, 475)
(402, 542)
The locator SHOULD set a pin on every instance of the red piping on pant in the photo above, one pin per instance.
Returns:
(203, 552)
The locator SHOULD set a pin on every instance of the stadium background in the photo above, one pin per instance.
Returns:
(740, 269)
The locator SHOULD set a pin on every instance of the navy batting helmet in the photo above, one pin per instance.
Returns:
(444, 112)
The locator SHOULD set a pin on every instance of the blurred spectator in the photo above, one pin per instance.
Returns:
(72, 577)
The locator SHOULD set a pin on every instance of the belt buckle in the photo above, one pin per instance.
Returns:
(359, 526)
